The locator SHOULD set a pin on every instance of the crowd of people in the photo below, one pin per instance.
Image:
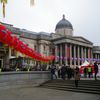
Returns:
(90, 71)
(62, 71)
(66, 72)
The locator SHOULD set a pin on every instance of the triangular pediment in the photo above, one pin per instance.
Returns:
(79, 38)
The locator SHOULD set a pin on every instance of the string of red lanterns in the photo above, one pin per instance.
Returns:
(18, 45)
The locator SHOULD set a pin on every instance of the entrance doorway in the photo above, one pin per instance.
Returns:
(1, 63)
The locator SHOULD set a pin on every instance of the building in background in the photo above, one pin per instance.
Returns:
(67, 48)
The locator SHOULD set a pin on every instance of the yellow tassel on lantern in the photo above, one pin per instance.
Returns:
(31, 2)
(3, 6)
(23, 55)
(3, 10)
(17, 54)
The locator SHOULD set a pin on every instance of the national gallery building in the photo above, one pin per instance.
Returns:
(67, 48)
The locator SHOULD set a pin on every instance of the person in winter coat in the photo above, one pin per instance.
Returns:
(53, 69)
(95, 70)
(59, 71)
(63, 72)
(85, 72)
(77, 77)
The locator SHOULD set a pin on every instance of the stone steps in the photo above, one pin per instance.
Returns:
(86, 86)
(73, 85)
(73, 90)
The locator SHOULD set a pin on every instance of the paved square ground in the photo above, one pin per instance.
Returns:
(33, 93)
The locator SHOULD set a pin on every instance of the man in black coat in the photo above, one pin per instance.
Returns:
(95, 69)
(63, 72)
(53, 69)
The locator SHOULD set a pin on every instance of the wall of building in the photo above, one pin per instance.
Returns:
(23, 79)
(65, 32)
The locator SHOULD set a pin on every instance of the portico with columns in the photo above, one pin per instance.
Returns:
(72, 54)
(70, 50)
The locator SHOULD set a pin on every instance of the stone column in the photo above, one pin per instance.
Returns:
(41, 49)
(70, 55)
(99, 56)
(88, 53)
(66, 62)
(60, 53)
(78, 56)
(91, 53)
(85, 52)
(56, 53)
(82, 54)
(96, 56)
(47, 48)
(74, 55)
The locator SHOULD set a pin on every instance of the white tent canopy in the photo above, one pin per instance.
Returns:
(86, 63)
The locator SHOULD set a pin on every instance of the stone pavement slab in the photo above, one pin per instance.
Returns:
(33, 93)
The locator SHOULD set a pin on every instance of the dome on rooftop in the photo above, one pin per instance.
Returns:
(64, 24)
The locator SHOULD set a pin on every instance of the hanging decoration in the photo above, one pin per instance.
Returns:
(31, 2)
(3, 2)
(18, 45)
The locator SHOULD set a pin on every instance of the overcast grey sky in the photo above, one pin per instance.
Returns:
(44, 15)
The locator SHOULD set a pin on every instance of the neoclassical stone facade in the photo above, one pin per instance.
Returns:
(67, 48)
